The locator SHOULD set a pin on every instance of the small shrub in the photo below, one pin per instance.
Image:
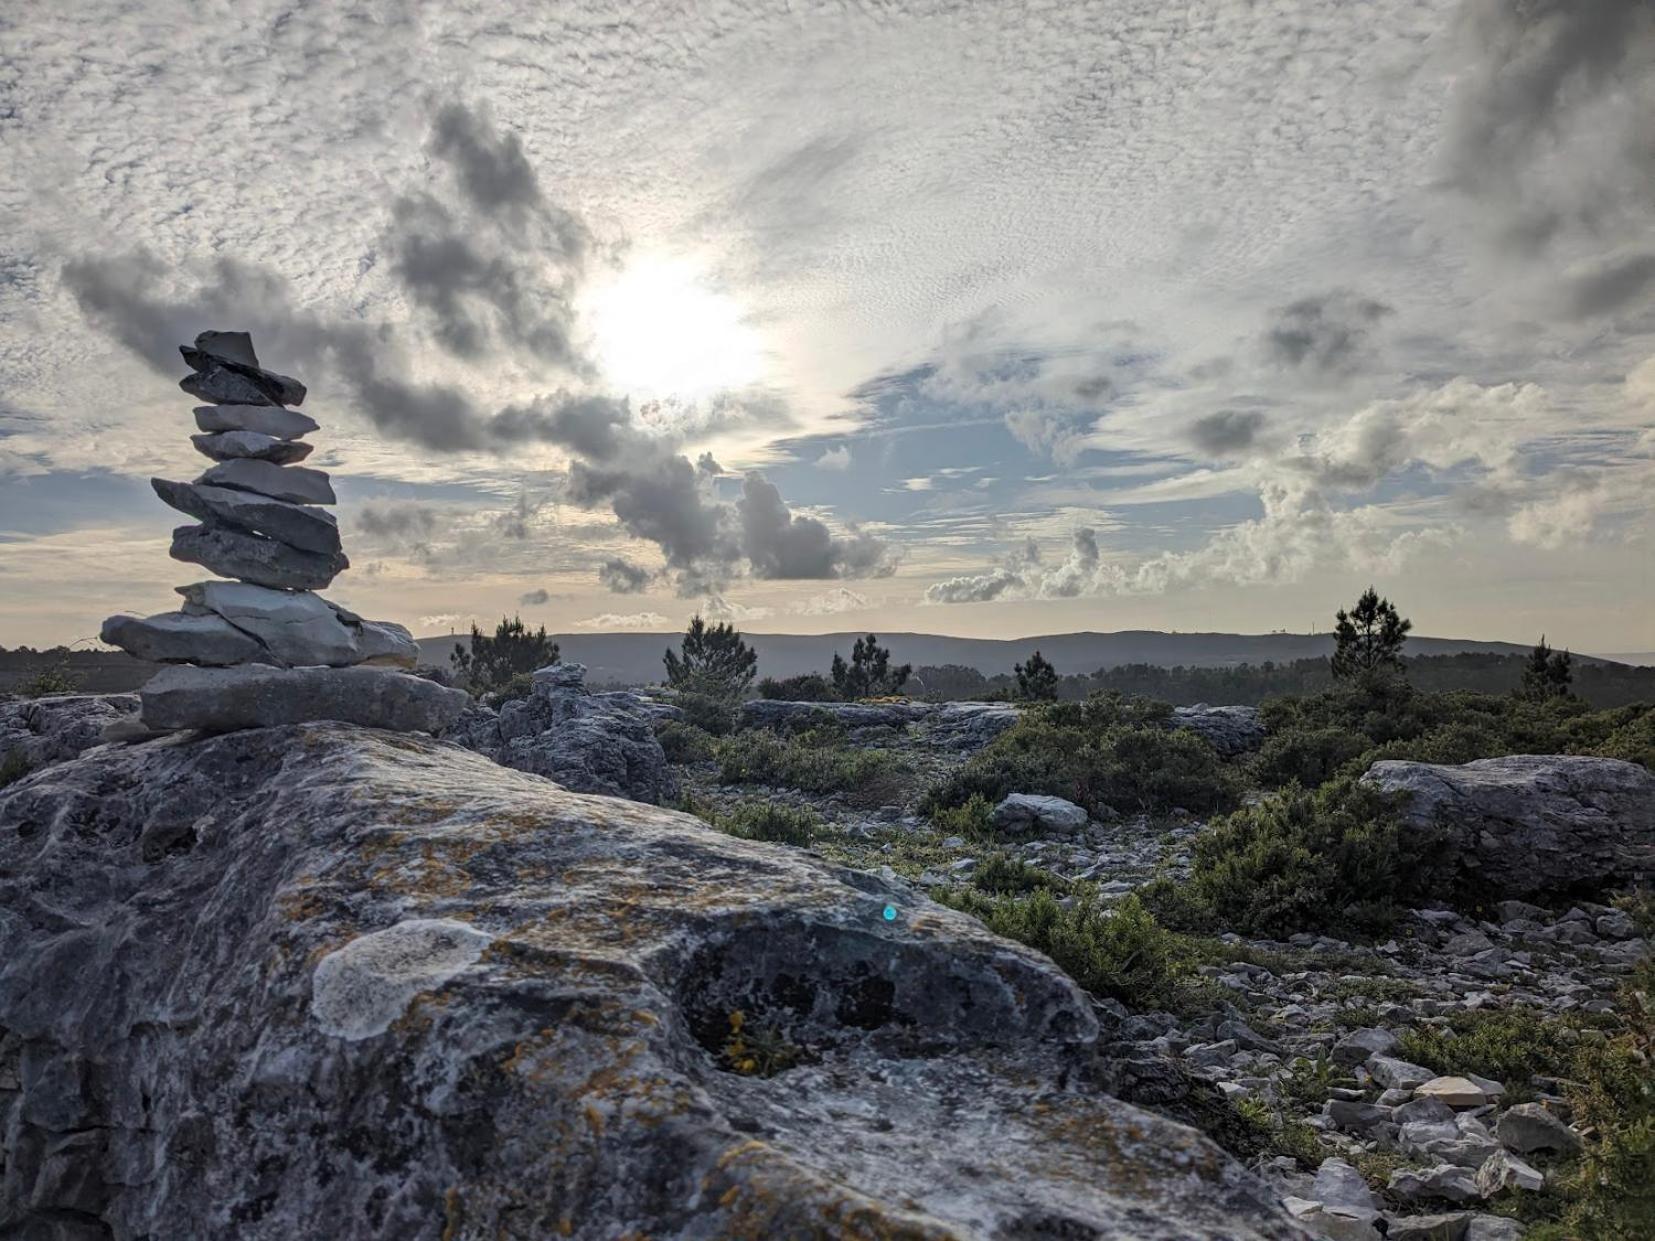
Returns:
(757, 1051)
(974, 819)
(1307, 756)
(1510, 1045)
(778, 825)
(55, 679)
(714, 714)
(1002, 875)
(1280, 1133)
(811, 687)
(759, 757)
(685, 743)
(1299, 860)
(1120, 952)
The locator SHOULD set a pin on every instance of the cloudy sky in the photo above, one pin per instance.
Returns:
(974, 318)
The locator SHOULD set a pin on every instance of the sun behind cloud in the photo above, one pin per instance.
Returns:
(659, 331)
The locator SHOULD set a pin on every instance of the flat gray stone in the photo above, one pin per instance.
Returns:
(385, 644)
(250, 445)
(1450, 1226)
(1445, 1182)
(226, 383)
(230, 552)
(1529, 1127)
(273, 420)
(233, 347)
(1506, 1171)
(299, 525)
(1358, 1045)
(259, 696)
(1398, 1074)
(293, 483)
(176, 638)
(297, 629)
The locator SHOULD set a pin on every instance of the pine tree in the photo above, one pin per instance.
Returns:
(1369, 638)
(869, 673)
(712, 660)
(1037, 679)
(490, 663)
(1548, 674)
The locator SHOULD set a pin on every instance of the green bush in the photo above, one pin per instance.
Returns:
(973, 819)
(755, 756)
(1002, 875)
(1120, 952)
(1510, 1045)
(1306, 860)
(56, 679)
(1307, 756)
(811, 687)
(714, 714)
(780, 825)
(685, 743)
(1106, 753)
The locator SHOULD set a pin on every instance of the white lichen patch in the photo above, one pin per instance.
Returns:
(362, 988)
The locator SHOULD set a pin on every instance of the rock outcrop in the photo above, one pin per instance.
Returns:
(35, 732)
(263, 522)
(588, 743)
(269, 978)
(1229, 730)
(1531, 823)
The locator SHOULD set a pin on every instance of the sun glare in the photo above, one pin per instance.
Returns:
(659, 331)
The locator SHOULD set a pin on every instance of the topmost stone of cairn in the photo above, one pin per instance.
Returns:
(266, 649)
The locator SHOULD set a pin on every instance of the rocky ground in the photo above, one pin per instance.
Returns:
(1389, 1080)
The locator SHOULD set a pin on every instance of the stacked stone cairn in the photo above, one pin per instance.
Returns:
(263, 648)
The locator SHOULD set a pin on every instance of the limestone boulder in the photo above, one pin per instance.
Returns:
(231, 552)
(293, 483)
(1027, 813)
(257, 982)
(297, 629)
(36, 732)
(590, 743)
(303, 526)
(1229, 730)
(251, 446)
(261, 696)
(1528, 824)
(969, 725)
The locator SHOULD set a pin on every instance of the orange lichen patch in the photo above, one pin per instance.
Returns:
(453, 1214)
(421, 1012)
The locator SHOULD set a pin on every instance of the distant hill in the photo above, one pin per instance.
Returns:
(635, 658)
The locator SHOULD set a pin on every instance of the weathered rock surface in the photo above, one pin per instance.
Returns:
(298, 630)
(322, 974)
(1029, 812)
(271, 420)
(234, 383)
(589, 743)
(1529, 824)
(250, 445)
(1529, 1127)
(299, 525)
(40, 731)
(260, 696)
(293, 483)
(1229, 730)
(230, 552)
(178, 638)
(969, 725)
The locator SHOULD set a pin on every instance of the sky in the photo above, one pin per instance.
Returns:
(983, 319)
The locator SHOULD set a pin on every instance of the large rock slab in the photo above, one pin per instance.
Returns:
(274, 421)
(298, 525)
(293, 483)
(589, 743)
(180, 638)
(1231, 731)
(261, 696)
(296, 629)
(969, 725)
(319, 973)
(230, 552)
(36, 732)
(1532, 823)
(1021, 813)
(250, 446)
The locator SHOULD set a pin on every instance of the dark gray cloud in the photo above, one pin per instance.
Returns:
(669, 503)
(1226, 432)
(623, 577)
(1550, 120)
(779, 543)
(1328, 335)
(498, 269)
(1612, 285)
(533, 598)
(400, 520)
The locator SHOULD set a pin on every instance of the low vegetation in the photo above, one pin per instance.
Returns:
(804, 762)
(1108, 754)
